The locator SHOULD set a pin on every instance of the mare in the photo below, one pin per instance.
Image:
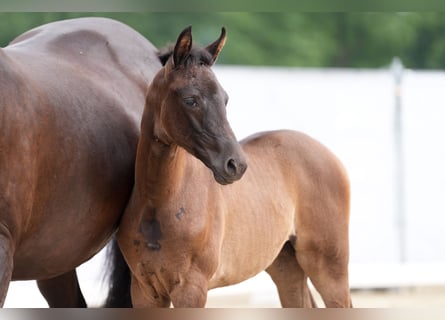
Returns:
(184, 233)
(72, 96)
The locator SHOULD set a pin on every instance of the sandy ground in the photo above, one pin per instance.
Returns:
(422, 297)
(419, 297)
(25, 295)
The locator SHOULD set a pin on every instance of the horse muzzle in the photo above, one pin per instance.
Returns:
(233, 170)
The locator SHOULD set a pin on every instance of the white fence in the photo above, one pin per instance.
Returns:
(351, 112)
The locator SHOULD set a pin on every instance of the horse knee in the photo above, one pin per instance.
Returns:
(146, 296)
(190, 294)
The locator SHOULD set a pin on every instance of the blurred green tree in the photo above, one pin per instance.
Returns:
(358, 40)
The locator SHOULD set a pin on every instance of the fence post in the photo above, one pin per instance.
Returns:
(399, 161)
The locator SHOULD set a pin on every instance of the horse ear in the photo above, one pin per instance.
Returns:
(215, 48)
(183, 46)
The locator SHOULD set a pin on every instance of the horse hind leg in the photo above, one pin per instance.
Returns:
(290, 279)
(326, 264)
(62, 291)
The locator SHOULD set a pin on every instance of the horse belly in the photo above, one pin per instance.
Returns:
(80, 193)
(252, 243)
(65, 239)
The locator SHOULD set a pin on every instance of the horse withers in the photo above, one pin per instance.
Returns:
(72, 96)
(184, 233)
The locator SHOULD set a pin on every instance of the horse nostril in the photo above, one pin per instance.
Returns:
(231, 167)
(235, 168)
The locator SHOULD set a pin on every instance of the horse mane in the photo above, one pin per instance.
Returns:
(165, 53)
(196, 56)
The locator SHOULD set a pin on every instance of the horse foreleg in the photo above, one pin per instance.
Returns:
(6, 264)
(290, 280)
(191, 292)
(146, 296)
(62, 291)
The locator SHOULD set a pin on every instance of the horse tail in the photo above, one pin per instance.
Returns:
(119, 278)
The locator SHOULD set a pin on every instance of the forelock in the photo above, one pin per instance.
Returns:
(197, 56)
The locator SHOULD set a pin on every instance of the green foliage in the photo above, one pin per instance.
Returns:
(358, 40)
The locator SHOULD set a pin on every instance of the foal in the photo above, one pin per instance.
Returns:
(183, 234)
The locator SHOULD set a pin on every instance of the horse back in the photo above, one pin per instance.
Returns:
(306, 168)
(96, 47)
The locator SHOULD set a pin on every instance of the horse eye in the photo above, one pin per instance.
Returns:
(191, 102)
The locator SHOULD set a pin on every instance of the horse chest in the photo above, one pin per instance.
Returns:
(171, 228)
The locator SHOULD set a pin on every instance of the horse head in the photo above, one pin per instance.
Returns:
(192, 108)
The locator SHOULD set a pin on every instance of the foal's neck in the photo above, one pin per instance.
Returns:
(159, 166)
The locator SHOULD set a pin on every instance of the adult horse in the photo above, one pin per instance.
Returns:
(72, 95)
(183, 234)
